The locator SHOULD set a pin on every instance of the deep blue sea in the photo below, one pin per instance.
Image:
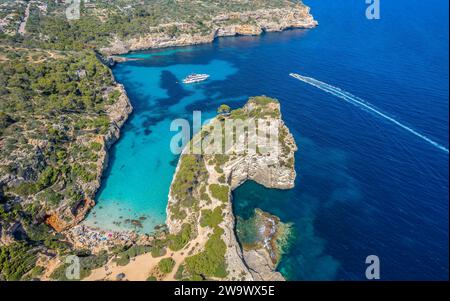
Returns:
(365, 185)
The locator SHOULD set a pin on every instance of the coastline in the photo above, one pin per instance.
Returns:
(120, 113)
(110, 56)
(226, 173)
(297, 18)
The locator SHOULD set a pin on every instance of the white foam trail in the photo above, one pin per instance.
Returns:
(360, 102)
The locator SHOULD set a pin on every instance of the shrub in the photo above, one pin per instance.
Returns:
(222, 179)
(179, 273)
(178, 241)
(47, 178)
(37, 271)
(211, 218)
(122, 260)
(219, 192)
(192, 169)
(166, 265)
(96, 146)
(16, 260)
(124, 256)
(262, 100)
(158, 252)
(51, 197)
(211, 261)
(25, 189)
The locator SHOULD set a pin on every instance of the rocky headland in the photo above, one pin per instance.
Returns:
(200, 194)
(254, 22)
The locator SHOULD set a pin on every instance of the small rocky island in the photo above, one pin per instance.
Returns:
(263, 236)
(200, 199)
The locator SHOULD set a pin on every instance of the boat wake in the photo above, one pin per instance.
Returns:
(362, 104)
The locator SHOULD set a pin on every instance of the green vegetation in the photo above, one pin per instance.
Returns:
(5, 121)
(166, 265)
(192, 171)
(265, 107)
(95, 146)
(16, 260)
(158, 248)
(178, 241)
(52, 86)
(203, 195)
(263, 100)
(239, 114)
(151, 278)
(51, 197)
(36, 272)
(224, 109)
(55, 94)
(211, 218)
(219, 192)
(50, 101)
(88, 263)
(179, 273)
(211, 261)
(124, 256)
(122, 259)
(36, 234)
(125, 19)
(220, 159)
(222, 179)
(158, 252)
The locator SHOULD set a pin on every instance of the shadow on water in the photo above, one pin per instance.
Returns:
(307, 257)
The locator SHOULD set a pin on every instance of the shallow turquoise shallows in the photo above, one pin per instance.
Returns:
(136, 186)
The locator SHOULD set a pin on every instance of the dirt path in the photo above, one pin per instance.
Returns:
(50, 268)
(23, 25)
(140, 267)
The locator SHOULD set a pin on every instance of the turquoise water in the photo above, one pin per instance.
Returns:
(365, 185)
(137, 182)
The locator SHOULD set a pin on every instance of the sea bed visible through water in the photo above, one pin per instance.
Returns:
(364, 186)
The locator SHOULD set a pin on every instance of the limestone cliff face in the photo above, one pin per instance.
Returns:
(227, 172)
(263, 170)
(230, 24)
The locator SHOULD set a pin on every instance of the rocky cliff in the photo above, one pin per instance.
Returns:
(227, 24)
(68, 216)
(65, 213)
(206, 180)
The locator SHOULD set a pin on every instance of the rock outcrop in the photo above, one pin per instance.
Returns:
(260, 267)
(230, 24)
(264, 239)
(66, 217)
(208, 178)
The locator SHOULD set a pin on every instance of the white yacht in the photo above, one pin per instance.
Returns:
(195, 78)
